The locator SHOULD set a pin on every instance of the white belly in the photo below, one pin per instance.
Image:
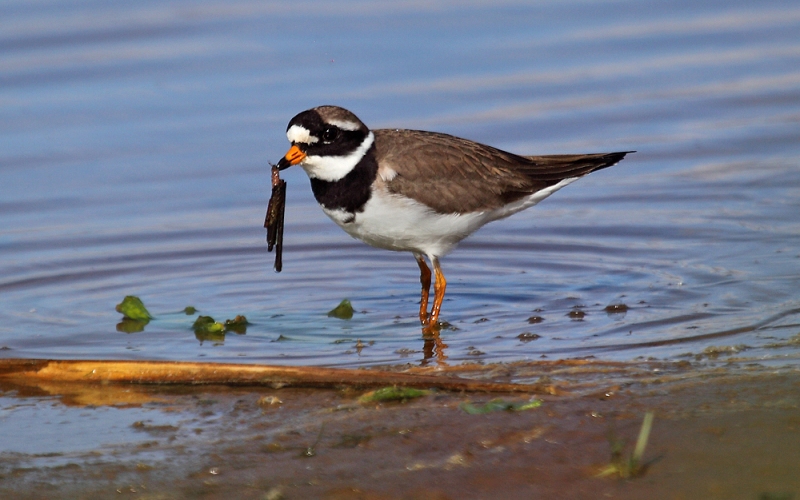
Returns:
(397, 223)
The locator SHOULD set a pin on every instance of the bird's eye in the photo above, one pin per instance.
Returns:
(329, 134)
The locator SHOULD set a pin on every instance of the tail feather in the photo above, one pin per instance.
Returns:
(557, 167)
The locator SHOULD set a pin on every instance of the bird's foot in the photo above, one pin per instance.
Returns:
(431, 329)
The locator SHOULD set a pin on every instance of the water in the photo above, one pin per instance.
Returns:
(134, 142)
(52, 423)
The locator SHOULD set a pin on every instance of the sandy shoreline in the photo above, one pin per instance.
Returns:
(726, 432)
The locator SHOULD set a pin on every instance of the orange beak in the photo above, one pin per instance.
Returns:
(292, 157)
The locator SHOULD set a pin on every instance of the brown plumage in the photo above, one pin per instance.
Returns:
(454, 175)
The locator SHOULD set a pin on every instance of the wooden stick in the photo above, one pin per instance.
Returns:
(191, 373)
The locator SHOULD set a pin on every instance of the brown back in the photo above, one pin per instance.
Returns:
(454, 175)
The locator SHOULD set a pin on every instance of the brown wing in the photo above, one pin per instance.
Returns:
(450, 174)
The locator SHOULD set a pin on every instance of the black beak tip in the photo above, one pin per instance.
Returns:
(283, 164)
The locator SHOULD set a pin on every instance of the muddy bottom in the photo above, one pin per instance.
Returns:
(726, 432)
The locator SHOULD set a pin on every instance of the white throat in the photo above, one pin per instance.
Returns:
(334, 168)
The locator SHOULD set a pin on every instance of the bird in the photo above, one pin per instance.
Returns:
(417, 191)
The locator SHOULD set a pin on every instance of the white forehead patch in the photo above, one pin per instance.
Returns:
(296, 133)
(344, 125)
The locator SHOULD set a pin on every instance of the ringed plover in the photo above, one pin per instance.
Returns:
(420, 192)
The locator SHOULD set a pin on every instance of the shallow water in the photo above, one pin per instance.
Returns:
(134, 150)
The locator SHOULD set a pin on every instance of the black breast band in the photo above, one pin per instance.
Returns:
(351, 192)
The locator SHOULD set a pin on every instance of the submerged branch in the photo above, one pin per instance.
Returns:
(191, 373)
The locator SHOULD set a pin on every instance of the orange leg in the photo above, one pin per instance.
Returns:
(425, 281)
(439, 286)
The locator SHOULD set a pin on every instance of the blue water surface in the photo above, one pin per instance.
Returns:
(134, 147)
